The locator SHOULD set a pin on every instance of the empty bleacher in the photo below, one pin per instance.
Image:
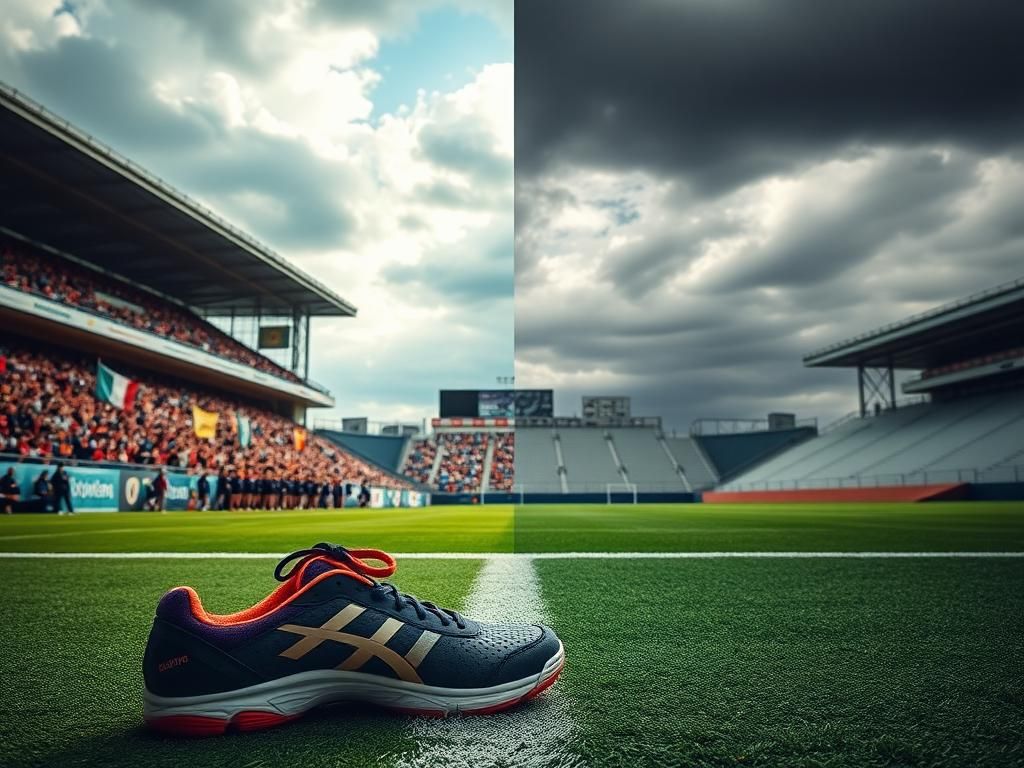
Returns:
(953, 441)
(647, 464)
(698, 470)
(536, 464)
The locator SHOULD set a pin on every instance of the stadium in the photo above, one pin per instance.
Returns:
(856, 586)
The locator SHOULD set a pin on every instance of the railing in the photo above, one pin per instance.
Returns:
(712, 426)
(186, 347)
(934, 312)
(1008, 474)
(572, 422)
(69, 461)
(903, 402)
(372, 428)
(30, 104)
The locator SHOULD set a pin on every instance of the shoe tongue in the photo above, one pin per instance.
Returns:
(314, 568)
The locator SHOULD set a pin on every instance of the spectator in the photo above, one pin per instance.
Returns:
(41, 492)
(203, 492)
(159, 486)
(9, 491)
(61, 488)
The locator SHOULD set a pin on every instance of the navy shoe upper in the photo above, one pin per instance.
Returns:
(335, 615)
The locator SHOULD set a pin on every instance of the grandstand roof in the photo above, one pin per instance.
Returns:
(980, 324)
(62, 187)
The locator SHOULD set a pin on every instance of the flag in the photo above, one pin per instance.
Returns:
(299, 435)
(204, 423)
(243, 429)
(113, 388)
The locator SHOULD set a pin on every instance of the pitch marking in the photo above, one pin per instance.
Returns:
(540, 733)
(524, 556)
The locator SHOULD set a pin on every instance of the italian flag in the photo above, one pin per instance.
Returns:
(113, 388)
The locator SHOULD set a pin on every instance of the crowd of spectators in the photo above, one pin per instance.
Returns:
(48, 410)
(462, 463)
(420, 460)
(61, 280)
(503, 462)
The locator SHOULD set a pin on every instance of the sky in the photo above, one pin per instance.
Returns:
(708, 190)
(370, 143)
(704, 191)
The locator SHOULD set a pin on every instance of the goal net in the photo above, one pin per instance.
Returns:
(621, 493)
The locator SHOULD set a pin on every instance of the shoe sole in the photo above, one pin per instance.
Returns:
(280, 701)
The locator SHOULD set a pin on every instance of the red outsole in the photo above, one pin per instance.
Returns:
(197, 725)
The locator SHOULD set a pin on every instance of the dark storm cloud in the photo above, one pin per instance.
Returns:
(722, 92)
(100, 88)
(908, 195)
(759, 179)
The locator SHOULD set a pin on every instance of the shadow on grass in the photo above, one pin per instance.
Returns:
(339, 734)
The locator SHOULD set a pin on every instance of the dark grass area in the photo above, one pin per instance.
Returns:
(433, 529)
(936, 527)
(793, 662)
(71, 656)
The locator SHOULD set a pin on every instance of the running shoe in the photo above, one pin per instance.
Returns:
(332, 632)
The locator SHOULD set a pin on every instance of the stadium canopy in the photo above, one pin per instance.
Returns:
(981, 324)
(63, 188)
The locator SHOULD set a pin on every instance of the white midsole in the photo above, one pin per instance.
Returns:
(298, 693)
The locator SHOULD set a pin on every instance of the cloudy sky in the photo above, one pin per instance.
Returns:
(369, 142)
(707, 190)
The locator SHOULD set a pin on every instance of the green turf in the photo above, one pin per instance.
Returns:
(436, 529)
(710, 662)
(71, 661)
(969, 526)
(798, 662)
(949, 526)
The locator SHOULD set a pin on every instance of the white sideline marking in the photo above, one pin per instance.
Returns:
(541, 732)
(525, 556)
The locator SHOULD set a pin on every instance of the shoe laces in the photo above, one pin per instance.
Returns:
(353, 562)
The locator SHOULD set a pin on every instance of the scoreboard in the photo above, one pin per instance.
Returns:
(496, 403)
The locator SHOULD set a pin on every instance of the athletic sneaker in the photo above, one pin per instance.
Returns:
(332, 632)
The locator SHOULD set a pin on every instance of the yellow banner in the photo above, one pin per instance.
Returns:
(300, 438)
(204, 423)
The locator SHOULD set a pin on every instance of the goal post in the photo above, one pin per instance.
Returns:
(627, 490)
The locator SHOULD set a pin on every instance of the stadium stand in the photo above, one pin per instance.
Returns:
(645, 460)
(100, 259)
(589, 464)
(419, 464)
(970, 430)
(385, 451)
(537, 463)
(462, 461)
(60, 280)
(687, 453)
(502, 472)
(732, 454)
(50, 411)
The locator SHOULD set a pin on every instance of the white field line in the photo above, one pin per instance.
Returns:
(525, 556)
(539, 733)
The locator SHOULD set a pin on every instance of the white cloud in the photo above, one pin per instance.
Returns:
(280, 100)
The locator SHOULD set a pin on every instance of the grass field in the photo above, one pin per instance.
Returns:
(815, 661)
